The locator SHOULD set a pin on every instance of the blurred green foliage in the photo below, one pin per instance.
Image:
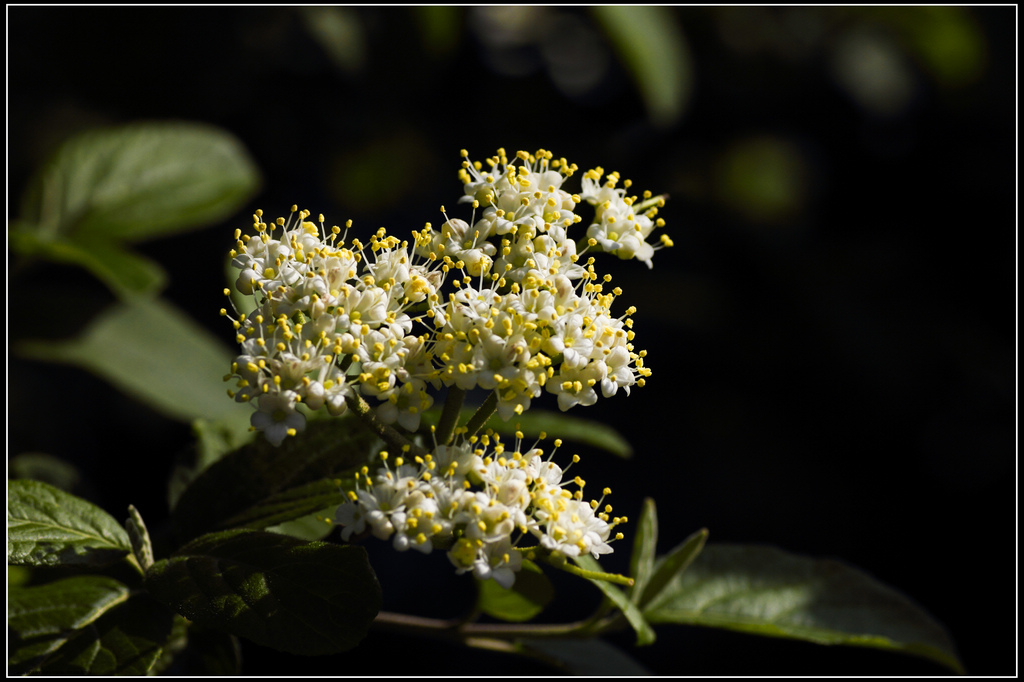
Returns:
(105, 189)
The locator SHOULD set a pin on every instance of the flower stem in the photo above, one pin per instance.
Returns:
(391, 436)
(458, 629)
(450, 414)
(482, 414)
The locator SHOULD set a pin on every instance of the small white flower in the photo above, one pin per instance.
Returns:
(576, 385)
(499, 562)
(576, 530)
(277, 417)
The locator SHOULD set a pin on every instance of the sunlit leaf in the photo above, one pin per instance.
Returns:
(140, 181)
(303, 598)
(315, 526)
(154, 352)
(766, 591)
(48, 527)
(63, 605)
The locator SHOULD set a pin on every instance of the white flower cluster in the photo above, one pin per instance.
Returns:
(337, 322)
(478, 502)
(503, 303)
(331, 322)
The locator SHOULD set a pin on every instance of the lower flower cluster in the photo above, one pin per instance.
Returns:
(481, 504)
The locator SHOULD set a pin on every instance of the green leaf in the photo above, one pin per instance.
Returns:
(126, 640)
(142, 546)
(48, 527)
(40, 466)
(303, 598)
(154, 352)
(530, 593)
(766, 591)
(310, 527)
(644, 633)
(652, 46)
(125, 272)
(641, 561)
(590, 657)
(85, 624)
(42, 618)
(140, 181)
(26, 657)
(105, 187)
(253, 485)
(668, 568)
(61, 606)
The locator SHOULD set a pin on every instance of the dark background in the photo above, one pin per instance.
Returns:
(833, 337)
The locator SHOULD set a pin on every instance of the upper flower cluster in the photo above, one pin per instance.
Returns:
(504, 302)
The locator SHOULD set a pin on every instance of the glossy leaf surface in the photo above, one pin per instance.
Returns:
(49, 527)
(261, 485)
(766, 591)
